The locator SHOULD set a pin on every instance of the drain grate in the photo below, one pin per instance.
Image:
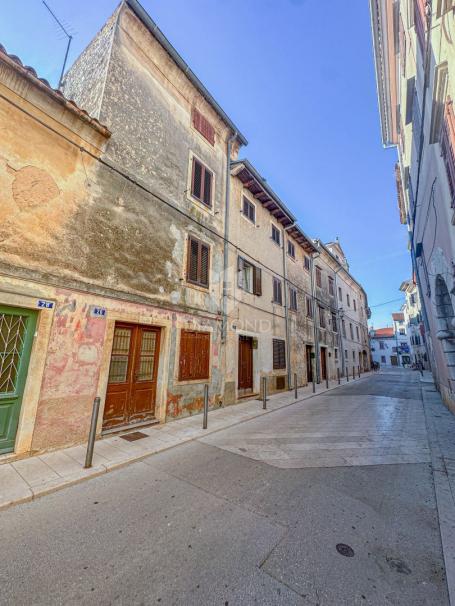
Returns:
(345, 550)
(135, 435)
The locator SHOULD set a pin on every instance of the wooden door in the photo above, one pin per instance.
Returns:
(131, 390)
(309, 364)
(17, 327)
(245, 362)
(323, 364)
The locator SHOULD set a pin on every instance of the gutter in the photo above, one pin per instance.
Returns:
(315, 320)
(226, 236)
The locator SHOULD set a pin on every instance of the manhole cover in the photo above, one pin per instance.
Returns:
(135, 435)
(345, 550)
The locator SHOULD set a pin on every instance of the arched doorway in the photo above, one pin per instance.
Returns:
(445, 316)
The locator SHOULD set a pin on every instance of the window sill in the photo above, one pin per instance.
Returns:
(201, 205)
(192, 381)
(204, 289)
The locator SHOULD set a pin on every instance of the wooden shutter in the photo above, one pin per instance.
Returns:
(279, 354)
(193, 260)
(203, 126)
(207, 199)
(205, 264)
(196, 182)
(257, 281)
(194, 360)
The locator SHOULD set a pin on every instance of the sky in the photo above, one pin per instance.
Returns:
(298, 80)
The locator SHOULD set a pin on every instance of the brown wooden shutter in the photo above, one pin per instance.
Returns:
(203, 126)
(207, 188)
(205, 264)
(193, 260)
(194, 362)
(257, 281)
(279, 354)
(196, 183)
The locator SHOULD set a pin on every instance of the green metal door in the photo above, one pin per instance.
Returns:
(17, 327)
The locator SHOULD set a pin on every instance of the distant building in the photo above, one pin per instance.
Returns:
(414, 324)
(390, 346)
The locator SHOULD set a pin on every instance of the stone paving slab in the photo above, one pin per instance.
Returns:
(25, 479)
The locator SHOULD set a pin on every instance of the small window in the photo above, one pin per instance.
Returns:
(340, 295)
(334, 323)
(346, 355)
(348, 301)
(292, 298)
(321, 317)
(249, 277)
(203, 126)
(443, 7)
(309, 308)
(336, 353)
(381, 345)
(194, 360)
(343, 328)
(201, 183)
(279, 354)
(291, 249)
(331, 288)
(277, 294)
(351, 331)
(306, 263)
(198, 262)
(354, 304)
(357, 333)
(318, 277)
(249, 210)
(276, 235)
(353, 355)
(402, 331)
(383, 359)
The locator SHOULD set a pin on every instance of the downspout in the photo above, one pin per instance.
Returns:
(340, 338)
(286, 311)
(226, 237)
(315, 321)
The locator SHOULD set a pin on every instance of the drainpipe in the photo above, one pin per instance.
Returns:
(338, 314)
(226, 236)
(315, 323)
(286, 312)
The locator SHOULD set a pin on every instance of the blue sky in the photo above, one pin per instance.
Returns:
(298, 80)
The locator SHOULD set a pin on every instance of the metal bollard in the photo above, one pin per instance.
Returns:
(314, 386)
(264, 393)
(92, 433)
(347, 374)
(327, 380)
(338, 376)
(295, 386)
(206, 407)
(358, 368)
(353, 373)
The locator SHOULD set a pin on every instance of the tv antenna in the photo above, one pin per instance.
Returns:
(67, 34)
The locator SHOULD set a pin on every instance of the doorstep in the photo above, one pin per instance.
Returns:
(25, 479)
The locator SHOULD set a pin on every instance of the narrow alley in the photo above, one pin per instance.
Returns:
(332, 500)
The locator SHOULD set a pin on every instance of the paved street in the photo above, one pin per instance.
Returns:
(251, 515)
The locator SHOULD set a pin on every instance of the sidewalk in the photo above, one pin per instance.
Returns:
(27, 479)
(441, 431)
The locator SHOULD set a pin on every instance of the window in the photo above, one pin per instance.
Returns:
(348, 300)
(198, 262)
(402, 331)
(441, 76)
(291, 249)
(306, 263)
(331, 288)
(354, 304)
(277, 294)
(448, 147)
(279, 354)
(309, 308)
(249, 277)
(334, 323)
(336, 353)
(276, 235)
(443, 7)
(203, 126)
(346, 355)
(381, 345)
(353, 355)
(340, 295)
(351, 331)
(383, 359)
(318, 277)
(357, 333)
(201, 183)
(194, 360)
(321, 317)
(343, 328)
(249, 210)
(292, 298)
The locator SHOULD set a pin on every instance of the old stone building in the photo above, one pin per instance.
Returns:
(415, 63)
(140, 259)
